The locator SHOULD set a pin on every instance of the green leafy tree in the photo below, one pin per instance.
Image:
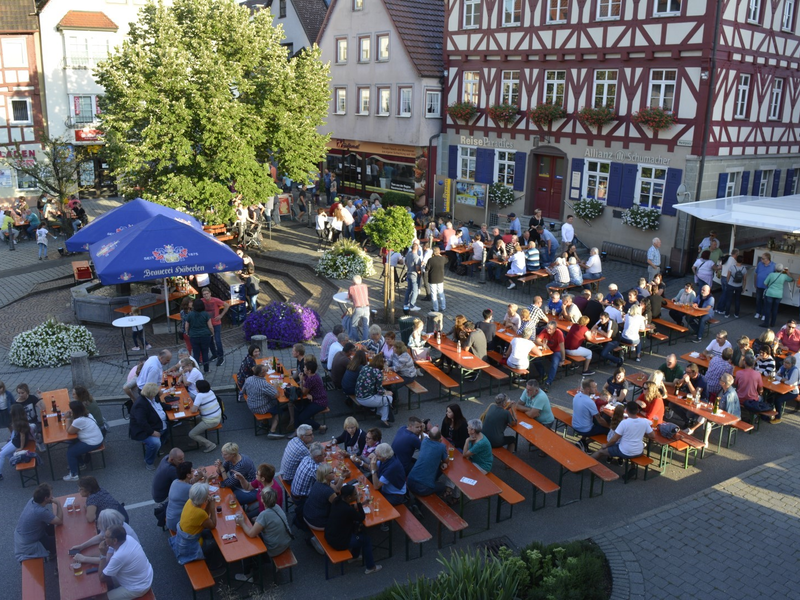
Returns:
(391, 229)
(56, 174)
(201, 95)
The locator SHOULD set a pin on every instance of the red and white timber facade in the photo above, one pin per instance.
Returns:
(742, 57)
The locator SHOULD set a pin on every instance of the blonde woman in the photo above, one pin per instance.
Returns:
(415, 342)
(512, 320)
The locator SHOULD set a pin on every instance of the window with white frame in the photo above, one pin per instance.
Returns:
(796, 182)
(557, 11)
(15, 53)
(776, 99)
(742, 96)
(364, 43)
(787, 20)
(341, 51)
(358, 4)
(382, 41)
(504, 168)
(83, 52)
(340, 97)
(509, 91)
(754, 11)
(20, 112)
(732, 186)
(384, 101)
(471, 87)
(512, 12)
(84, 109)
(466, 162)
(25, 181)
(662, 88)
(597, 173)
(605, 88)
(765, 185)
(405, 99)
(433, 104)
(608, 9)
(472, 13)
(282, 9)
(363, 101)
(554, 87)
(652, 181)
(668, 7)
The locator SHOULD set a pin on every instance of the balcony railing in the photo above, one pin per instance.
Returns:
(81, 122)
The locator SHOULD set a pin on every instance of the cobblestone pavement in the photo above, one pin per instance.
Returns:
(723, 543)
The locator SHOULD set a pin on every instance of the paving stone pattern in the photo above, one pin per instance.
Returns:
(727, 537)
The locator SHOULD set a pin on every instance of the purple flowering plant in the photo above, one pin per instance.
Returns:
(283, 323)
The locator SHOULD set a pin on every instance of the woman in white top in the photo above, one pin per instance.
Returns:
(512, 320)
(703, 269)
(337, 224)
(348, 223)
(82, 424)
(517, 263)
(790, 375)
(208, 406)
(519, 351)
(631, 325)
(190, 375)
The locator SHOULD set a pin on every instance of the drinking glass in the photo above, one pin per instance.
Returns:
(77, 568)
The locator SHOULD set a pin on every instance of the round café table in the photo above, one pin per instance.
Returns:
(343, 300)
(124, 323)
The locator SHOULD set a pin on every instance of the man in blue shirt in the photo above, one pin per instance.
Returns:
(548, 246)
(424, 477)
(613, 294)
(407, 441)
(764, 267)
(514, 225)
(586, 420)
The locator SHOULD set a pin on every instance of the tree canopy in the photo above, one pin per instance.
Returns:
(202, 96)
(391, 228)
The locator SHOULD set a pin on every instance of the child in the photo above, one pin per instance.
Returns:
(603, 397)
(555, 305)
(41, 239)
(137, 333)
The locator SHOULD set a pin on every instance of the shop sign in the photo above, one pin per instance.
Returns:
(485, 142)
(624, 156)
(88, 136)
(375, 148)
(448, 187)
(18, 154)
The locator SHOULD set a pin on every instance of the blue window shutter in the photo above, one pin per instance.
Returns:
(614, 184)
(577, 167)
(776, 179)
(721, 185)
(756, 182)
(629, 176)
(674, 179)
(787, 188)
(519, 171)
(745, 182)
(452, 162)
(484, 166)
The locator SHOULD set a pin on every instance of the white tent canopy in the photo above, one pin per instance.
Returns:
(775, 214)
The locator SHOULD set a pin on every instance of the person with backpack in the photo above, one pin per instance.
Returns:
(211, 413)
(734, 278)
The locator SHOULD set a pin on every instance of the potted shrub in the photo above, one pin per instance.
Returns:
(641, 218)
(345, 259)
(589, 208)
(597, 117)
(504, 114)
(462, 111)
(501, 194)
(50, 344)
(544, 114)
(283, 323)
(655, 118)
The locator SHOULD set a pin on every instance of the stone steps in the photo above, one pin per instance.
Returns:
(288, 281)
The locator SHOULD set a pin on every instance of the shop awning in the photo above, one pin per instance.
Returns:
(775, 214)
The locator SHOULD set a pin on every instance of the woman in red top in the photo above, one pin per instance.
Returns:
(651, 402)
(573, 344)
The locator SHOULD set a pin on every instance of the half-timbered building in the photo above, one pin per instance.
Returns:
(727, 70)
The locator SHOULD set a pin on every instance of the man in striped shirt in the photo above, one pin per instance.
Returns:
(262, 398)
(359, 295)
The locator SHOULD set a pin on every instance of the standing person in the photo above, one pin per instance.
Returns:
(764, 267)
(567, 232)
(358, 293)
(344, 530)
(514, 225)
(210, 412)
(724, 274)
(436, 269)
(654, 259)
(704, 300)
(186, 308)
(41, 240)
(200, 330)
(554, 339)
(703, 269)
(773, 294)
(34, 535)
(413, 267)
(217, 309)
(548, 246)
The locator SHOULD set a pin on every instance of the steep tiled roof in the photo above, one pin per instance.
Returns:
(420, 24)
(311, 14)
(15, 15)
(82, 19)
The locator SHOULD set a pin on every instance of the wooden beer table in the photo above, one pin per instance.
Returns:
(76, 530)
(483, 488)
(55, 433)
(464, 360)
(688, 310)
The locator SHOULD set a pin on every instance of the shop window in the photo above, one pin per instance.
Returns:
(597, 175)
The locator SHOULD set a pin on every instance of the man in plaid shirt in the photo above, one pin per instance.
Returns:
(262, 398)
(296, 451)
(304, 478)
(538, 319)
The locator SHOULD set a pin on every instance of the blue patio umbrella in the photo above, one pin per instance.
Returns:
(121, 218)
(157, 248)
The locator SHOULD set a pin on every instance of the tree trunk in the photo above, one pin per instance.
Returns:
(388, 292)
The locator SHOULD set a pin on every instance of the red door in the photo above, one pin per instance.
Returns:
(548, 185)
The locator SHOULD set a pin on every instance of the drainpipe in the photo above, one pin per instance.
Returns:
(712, 79)
(430, 180)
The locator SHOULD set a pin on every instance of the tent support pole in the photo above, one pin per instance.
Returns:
(166, 298)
